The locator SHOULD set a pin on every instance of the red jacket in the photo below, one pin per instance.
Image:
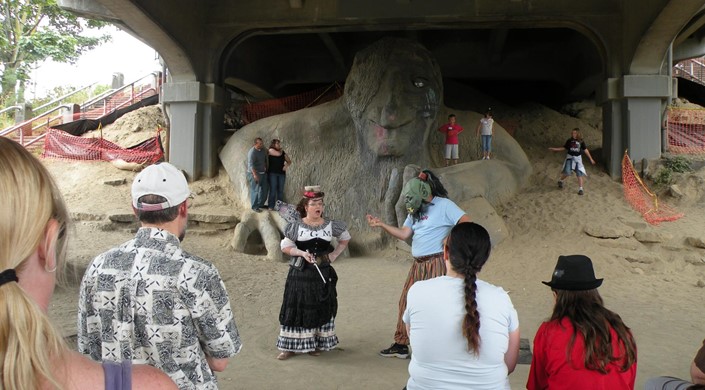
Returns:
(550, 368)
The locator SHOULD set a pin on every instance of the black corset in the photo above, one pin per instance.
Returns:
(317, 246)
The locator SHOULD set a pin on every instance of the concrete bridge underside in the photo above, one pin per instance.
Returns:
(618, 51)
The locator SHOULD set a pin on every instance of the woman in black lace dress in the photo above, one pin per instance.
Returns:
(307, 315)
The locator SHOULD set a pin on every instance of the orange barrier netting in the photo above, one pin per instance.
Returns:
(686, 130)
(254, 111)
(62, 145)
(642, 199)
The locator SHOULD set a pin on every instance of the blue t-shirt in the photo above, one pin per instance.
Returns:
(437, 218)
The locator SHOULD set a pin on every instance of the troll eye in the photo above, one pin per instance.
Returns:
(419, 82)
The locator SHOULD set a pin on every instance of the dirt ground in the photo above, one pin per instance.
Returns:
(654, 286)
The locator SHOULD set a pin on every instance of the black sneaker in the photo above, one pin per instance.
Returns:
(560, 183)
(396, 350)
(580, 191)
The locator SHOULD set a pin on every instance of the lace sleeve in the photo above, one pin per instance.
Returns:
(340, 230)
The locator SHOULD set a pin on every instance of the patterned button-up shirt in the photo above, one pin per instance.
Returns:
(149, 301)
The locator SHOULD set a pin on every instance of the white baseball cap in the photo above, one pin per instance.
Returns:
(161, 179)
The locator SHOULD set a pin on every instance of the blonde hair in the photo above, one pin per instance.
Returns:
(28, 202)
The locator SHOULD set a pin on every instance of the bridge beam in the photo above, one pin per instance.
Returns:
(632, 109)
(196, 113)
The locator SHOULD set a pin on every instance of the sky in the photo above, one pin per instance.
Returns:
(124, 54)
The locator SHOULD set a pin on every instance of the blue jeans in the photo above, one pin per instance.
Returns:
(486, 143)
(276, 188)
(258, 191)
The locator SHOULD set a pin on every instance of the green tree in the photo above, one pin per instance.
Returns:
(34, 31)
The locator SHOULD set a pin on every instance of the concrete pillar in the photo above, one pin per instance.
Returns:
(632, 118)
(196, 118)
(118, 81)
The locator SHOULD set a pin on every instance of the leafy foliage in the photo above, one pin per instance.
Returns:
(671, 165)
(37, 30)
(678, 164)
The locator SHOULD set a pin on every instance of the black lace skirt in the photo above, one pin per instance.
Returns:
(308, 302)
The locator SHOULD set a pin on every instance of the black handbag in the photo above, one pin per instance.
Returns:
(297, 263)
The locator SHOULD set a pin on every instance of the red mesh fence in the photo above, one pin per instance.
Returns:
(643, 200)
(254, 111)
(61, 145)
(686, 131)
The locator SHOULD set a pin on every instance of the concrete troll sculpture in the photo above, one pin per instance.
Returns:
(362, 147)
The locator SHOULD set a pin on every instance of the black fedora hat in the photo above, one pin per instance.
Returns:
(574, 272)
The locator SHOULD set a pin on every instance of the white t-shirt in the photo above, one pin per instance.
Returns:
(486, 126)
(440, 359)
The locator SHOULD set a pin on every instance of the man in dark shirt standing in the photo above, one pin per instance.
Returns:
(257, 175)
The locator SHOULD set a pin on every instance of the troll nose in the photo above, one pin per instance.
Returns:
(390, 113)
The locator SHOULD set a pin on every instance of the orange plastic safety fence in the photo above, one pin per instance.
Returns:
(62, 145)
(643, 200)
(265, 108)
(686, 130)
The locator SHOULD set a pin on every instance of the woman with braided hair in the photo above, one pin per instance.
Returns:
(430, 217)
(443, 317)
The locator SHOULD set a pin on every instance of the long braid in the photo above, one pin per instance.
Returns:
(471, 322)
(469, 248)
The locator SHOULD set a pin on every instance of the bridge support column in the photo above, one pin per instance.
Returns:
(632, 117)
(196, 119)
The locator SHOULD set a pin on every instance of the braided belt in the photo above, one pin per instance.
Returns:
(421, 259)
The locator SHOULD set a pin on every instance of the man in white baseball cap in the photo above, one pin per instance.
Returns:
(149, 301)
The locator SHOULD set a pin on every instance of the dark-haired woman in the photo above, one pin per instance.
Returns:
(430, 217)
(307, 314)
(277, 163)
(583, 345)
(443, 316)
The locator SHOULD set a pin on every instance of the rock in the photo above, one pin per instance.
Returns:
(484, 214)
(78, 216)
(698, 242)
(652, 236)
(642, 258)
(115, 182)
(638, 271)
(694, 260)
(676, 191)
(637, 225)
(700, 283)
(122, 218)
(608, 231)
(524, 352)
(212, 218)
(403, 246)
(212, 226)
(621, 243)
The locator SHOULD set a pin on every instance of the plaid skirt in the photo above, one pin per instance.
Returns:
(298, 339)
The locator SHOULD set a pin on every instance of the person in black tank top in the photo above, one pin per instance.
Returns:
(278, 162)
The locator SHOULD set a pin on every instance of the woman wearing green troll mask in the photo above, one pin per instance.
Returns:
(430, 218)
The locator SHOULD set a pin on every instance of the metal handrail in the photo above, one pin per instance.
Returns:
(30, 121)
(105, 97)
(144, 92)
(16, 108)
(59, 99)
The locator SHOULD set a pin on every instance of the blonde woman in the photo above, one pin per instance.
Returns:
(33, 355)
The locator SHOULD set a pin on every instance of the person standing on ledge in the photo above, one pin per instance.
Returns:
(431, 217)
(451, 130)
(485, 129)
(257, 175)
